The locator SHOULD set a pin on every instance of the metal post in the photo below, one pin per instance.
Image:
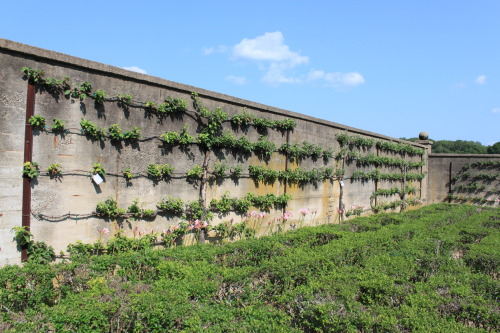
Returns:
(28, 153)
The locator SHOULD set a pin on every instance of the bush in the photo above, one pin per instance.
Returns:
(432, 269)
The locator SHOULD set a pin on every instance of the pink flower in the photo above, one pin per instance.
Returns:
(262, 215)
(304, 211)
(105, 231)
(253, 214)
(287, 215)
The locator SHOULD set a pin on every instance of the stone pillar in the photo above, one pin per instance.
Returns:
(424, 141)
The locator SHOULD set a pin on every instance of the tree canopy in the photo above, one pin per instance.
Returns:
(461, 147)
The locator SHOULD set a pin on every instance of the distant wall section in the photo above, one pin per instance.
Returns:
(464, 178)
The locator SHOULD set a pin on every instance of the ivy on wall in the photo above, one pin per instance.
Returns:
(350, 152)
(212, 136)
(474, 183)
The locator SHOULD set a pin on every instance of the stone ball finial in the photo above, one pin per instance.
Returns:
(423, 136)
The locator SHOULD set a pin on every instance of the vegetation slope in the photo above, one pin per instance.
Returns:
(429, 270)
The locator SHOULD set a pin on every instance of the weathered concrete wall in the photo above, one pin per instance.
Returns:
(464, 178)
(75, 193)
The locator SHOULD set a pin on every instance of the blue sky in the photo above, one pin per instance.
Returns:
(391, 67)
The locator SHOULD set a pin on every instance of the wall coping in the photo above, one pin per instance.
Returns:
(440, 155)
(61, 58)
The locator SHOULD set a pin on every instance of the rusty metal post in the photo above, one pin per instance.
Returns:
(285, 185)
(449, 182)
(28, 153)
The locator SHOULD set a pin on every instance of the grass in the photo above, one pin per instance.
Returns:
(433, 269)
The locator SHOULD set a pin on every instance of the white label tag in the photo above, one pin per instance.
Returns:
(97, 179)
(341, 184)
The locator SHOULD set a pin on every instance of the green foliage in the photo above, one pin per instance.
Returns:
(471, 187)
(241, 205)
(232, 230)
(159, 171)
(171, 205)
(92, 130)
(264, 147)
(170, 137)
(132, 134)
(58, 125)
(427, 270)
(243, 119)
(399, 148)
(471, 199)
(195, 173)
(195, 211)
(354, 140)
(54, 85)
(223, 205)
(487, 177)
(54, 170)
(458, 147)
(220, 170)
(37, 122)
(395, 204)
(494, 149)
(99, 96)
(136, 211)
(286, 124)
(81, 92)
(236, 171)
(22, 236)
(297, 176)
(243, 145)
(483, 164)
(300, 152)
(98, 169)
(150, 105)
(124, 98)
(109, 208)
(30, 170)
(34, 75)
(184, 137)
(393, 191)
(115, 132)
(38, 252)
(262, 123)
(127, 174)
(170, 106)
(377, 175)
(355, 211)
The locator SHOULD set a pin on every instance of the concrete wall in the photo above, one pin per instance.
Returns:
(455, 175)
(75, 193)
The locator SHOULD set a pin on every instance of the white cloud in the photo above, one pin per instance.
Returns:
(337, 79)
(272, 55)
(268, 47)
(280, 64)
(218, 49)
(135, 69)
(481, 79)
(239, 80)
(495, 110)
